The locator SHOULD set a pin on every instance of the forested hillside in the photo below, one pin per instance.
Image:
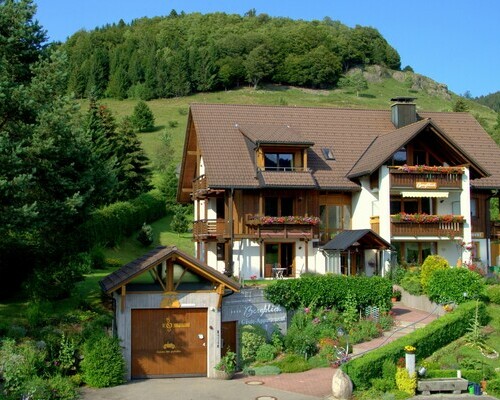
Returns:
(491, 100)
(186, 53)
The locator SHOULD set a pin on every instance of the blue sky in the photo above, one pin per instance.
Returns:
(455, 42)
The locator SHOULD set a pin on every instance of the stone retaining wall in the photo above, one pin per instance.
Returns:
(421, 302)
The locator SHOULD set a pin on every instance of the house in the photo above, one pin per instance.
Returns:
(282, 191)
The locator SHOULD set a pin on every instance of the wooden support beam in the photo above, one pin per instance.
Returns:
(220, 292)
(122, 298)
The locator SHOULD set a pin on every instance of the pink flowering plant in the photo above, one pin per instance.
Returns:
(420, 169)
(426, 218)
(290, 220)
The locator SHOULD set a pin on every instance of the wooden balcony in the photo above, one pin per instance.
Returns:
(282, 227)
(450, 229)
(425, 180)
(201, 189)
(402, 228)
(204, 229)
(495, 230)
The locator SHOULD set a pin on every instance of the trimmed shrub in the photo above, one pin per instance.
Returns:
(427, 340)
(431, 264)
(411, 282)
(109, 224)
(325, 291)
(469, 374)
(103, 364)
(493, 293)
(455, 285)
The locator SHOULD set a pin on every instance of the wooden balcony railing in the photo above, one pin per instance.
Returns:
(208, 228)
(450, 229)
(495, 230)
(425, 180)
(282, 227)
(402, 228)
(200, 183)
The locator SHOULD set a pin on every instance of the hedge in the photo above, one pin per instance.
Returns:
(108, 225)
(330, 290)
(426, 340)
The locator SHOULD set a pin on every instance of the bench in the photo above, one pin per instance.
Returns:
(455, 385)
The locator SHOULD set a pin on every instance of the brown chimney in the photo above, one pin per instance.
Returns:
(404, 111)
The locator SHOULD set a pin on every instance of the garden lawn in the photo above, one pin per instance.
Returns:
(129, 248)
(456, 353)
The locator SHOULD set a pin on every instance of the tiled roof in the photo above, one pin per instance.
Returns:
(156, 256)
(365, 239)
(384, 146)
(273, 134)
(230, 162)
(287, 179)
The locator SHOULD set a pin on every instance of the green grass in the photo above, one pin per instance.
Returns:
(377, 96)
(129, 248)
(451, 356)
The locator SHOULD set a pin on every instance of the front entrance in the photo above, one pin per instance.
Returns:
(279, 259)
(169, 342)
(351, 262)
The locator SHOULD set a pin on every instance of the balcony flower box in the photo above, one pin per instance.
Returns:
(288, 220)
(426, 218)
(427, 169)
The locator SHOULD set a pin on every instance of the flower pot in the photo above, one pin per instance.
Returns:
(224, 375)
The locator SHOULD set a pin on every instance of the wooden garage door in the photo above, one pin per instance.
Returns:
(169, 342)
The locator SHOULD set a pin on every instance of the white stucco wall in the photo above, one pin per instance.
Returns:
(362, 205)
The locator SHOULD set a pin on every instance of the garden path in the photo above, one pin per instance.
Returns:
(318, 382)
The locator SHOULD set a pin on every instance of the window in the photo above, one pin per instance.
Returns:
(221, 251)
(411, 205)
(473, 208)
(328, 153)
(278, 161)
(334, 218)
(278, 206)
(414, 252)
(220, 207)
(399, 157)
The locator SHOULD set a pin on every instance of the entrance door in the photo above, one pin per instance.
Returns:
(279, 255)
(169, 342)
(228, 337)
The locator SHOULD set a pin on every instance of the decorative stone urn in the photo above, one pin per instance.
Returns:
(341, 386)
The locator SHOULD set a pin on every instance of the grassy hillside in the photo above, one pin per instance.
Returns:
(174, 111)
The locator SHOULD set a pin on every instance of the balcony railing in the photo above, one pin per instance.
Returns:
(288, 227)
(450, 229)
(200, 184)
(425, 180)
(208, 228)
(495, 230)
(446, 227)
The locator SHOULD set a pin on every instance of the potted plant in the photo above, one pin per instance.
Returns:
(226, 367)
(396, 295)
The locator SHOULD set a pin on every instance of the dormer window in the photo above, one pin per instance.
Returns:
(278, 161)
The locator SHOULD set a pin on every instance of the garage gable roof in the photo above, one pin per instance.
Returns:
(128, 272)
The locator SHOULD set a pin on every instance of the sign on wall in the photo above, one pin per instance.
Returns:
(250, 307)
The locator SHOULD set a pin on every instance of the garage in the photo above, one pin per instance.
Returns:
(169, 343)
(167, 308)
